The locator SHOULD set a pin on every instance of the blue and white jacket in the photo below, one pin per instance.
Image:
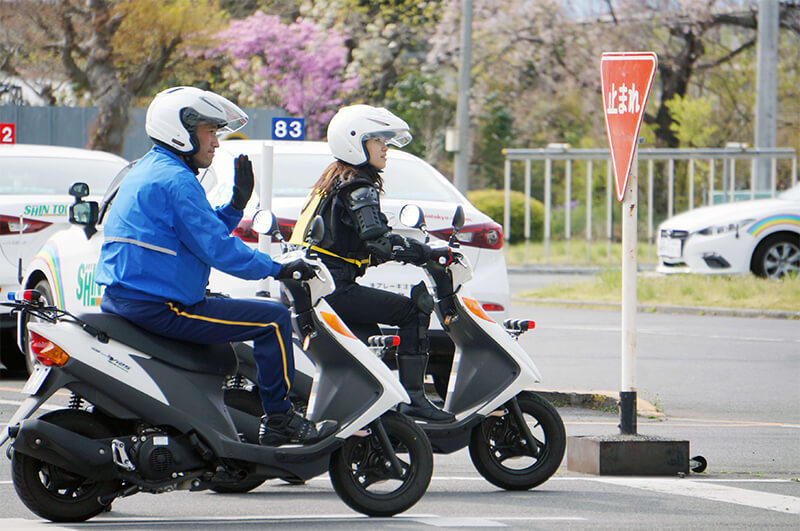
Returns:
(162, 237)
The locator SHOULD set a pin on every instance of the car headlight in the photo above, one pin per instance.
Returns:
(725, 227)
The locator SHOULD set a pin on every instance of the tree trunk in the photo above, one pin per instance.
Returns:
(675, 76)
(107, 132)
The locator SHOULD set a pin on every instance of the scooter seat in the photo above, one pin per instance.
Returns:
(213, 359)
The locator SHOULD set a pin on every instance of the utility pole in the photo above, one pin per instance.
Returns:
(766, 90)
(461, 177)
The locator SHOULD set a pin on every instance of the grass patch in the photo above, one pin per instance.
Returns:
(576, 252)
(740, 292)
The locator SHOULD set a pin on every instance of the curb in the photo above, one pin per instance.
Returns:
(664, 308)
(598, 400)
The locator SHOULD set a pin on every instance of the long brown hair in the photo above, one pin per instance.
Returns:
(341, 172)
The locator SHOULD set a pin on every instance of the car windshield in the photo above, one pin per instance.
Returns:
(295, 174)
(54, 175)
(792, 194)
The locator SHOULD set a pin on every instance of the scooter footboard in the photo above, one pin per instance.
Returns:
(75, 453)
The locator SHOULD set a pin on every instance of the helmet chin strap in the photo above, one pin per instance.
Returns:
(189, 160)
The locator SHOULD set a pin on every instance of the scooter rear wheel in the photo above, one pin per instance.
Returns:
(501, 453)
(364, 479)
(54, 493)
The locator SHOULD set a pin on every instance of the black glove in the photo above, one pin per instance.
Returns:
(380, 250)
(300, 266)
(416, 253)
(397, 241)
(242, 182)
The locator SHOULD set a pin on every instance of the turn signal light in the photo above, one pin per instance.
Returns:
(335, 323)
(475, 307)
(47, 352)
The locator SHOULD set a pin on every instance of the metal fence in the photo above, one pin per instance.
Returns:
(728, 191)
(69, 126)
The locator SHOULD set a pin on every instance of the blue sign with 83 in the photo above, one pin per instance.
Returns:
(288, 128)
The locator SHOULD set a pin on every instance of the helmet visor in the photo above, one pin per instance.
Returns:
(229, 118)
(395, 138)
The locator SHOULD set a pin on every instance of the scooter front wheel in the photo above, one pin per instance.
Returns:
(57, 494)
(504, 453)
(367, 480)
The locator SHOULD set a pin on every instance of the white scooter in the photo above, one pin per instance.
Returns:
(516, 438)
(147, 414)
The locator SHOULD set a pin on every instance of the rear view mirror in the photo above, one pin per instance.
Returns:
(317, 231)
(458, 218)
(79, 191)
(412, 216)
(265, 222)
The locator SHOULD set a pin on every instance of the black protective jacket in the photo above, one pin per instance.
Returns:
(342, 237)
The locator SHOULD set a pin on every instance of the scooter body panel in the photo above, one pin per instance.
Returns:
(353, 394)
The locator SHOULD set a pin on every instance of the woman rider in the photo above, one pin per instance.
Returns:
(357, 235)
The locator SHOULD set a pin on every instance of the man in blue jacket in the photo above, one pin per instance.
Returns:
(162, 237)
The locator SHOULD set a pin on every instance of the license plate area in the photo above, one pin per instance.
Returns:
(670, 247)
(36, 379)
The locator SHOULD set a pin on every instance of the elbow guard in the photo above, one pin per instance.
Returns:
(366, 207)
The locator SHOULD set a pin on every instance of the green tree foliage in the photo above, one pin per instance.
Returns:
(419, 99)
(109, 52)
(492, 203)
(692, 121)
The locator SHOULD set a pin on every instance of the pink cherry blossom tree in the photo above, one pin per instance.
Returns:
(299, 67)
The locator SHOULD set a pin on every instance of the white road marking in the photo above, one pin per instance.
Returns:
(710, 491)
(425, 519)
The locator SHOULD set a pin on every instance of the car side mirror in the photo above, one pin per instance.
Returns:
(79, 191)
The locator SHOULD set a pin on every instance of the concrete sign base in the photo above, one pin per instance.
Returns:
(627, 455)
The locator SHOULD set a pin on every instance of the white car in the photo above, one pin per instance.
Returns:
(297, 165)
(34, 202)
(761, 236)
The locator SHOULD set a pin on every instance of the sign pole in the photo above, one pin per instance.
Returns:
(630, 208)
(626, 79)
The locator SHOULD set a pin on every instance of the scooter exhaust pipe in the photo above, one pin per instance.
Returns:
(75, 453)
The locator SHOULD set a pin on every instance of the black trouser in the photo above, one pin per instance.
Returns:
(362, 308)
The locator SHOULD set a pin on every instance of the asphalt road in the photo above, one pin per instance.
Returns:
(727, 385)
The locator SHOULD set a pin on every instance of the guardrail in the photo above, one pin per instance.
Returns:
(562, 152)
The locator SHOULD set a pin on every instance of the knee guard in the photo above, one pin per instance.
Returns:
(424, 305)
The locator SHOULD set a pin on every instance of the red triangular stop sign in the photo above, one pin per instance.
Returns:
(626, 78)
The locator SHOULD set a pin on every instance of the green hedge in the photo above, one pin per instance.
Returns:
(491, 203)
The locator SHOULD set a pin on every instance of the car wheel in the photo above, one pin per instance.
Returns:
(777, 256)
(42, 287)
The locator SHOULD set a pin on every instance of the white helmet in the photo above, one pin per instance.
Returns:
(354, 125)
(174, 114)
